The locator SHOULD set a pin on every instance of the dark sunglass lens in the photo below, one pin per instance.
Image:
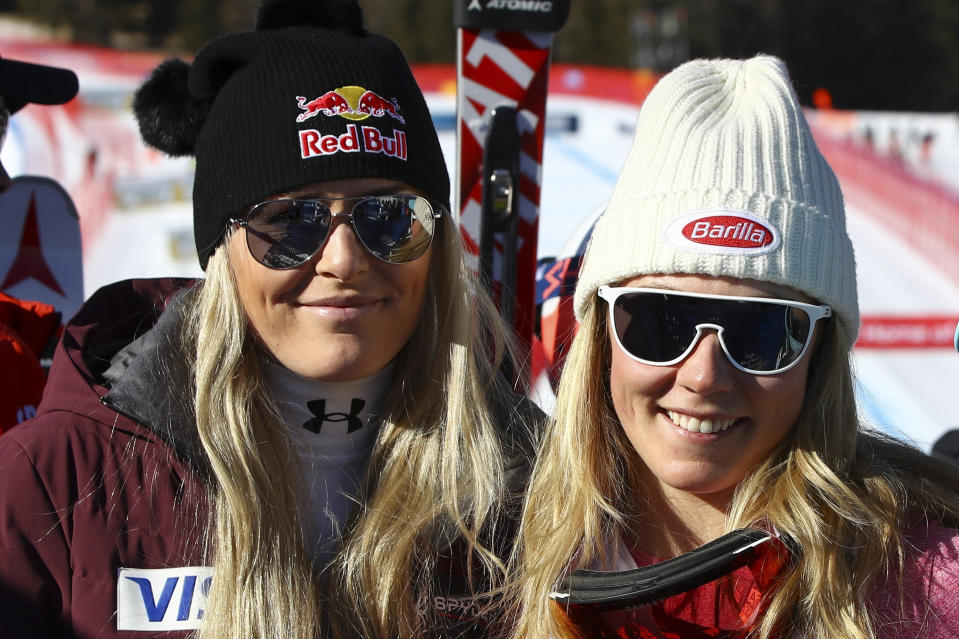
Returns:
(285, 233)
(652, 326)
(765, 337)
(395, 228)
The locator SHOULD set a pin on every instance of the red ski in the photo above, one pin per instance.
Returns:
(502, 75)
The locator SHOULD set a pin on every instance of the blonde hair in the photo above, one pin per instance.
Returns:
(830, 486)
(437, 466)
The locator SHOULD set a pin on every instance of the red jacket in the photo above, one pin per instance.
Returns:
(26, 328)
(106, 486)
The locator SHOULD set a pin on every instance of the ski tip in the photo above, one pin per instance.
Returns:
(511, 15)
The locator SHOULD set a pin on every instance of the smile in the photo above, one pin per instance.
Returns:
(695, 425)
(341, 308)
(341, 301)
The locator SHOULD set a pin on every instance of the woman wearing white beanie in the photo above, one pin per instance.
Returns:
(709, 390)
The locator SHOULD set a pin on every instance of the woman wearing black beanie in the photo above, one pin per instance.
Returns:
(313, 439)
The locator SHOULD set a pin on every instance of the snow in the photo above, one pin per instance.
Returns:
(907, 392)
(149, 241)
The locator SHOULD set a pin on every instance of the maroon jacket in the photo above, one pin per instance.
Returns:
(107, 486)
(85, 490)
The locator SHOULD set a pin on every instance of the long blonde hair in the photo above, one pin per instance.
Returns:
(437, 466)
(830, 486)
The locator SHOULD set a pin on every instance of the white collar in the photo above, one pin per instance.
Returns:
(329, 417)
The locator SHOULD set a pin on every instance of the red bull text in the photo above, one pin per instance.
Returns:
(354, 104)
(368, 139)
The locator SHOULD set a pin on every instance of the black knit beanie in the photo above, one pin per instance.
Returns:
(306, 97)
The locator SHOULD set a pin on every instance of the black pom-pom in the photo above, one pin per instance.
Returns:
(169, 117)
(345, 16)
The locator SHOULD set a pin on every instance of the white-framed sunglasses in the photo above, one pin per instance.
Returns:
(760, 335)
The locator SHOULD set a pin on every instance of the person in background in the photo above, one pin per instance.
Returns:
(26, 331)
(314, 440)
(23, 83)
(27, 327)
(709, 389)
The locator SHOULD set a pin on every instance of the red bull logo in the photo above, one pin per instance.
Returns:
(366, 138)
(723, 231)
(376, 106)
(355, 104)
(350, 102)
(330, 103)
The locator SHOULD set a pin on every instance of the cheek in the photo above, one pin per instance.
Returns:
(635, 387)
(409, 280)
(780, 401)
(258, 287)
(416, 284)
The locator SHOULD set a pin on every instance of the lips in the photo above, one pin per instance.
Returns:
(341, 301)
(341, 308)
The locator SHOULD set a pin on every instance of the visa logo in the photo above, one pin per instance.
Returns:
(162, 599)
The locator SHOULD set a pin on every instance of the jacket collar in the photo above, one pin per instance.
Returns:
(151, 381)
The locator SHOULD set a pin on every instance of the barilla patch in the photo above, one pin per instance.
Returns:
(157, 600)
(723, 231)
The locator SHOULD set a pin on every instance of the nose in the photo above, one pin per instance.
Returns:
(343, 257)
(706, 370)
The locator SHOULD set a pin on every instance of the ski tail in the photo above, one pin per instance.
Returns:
(502, 76)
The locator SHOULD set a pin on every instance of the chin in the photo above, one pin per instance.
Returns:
(340, 373)
(338, 367)
(699, 484)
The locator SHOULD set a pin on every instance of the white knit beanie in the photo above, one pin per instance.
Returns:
(724, 178)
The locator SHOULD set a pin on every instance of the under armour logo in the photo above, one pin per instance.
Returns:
(318, 408)
(474, 6)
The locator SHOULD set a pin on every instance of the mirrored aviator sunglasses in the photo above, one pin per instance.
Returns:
(287, 232)
(760, 336)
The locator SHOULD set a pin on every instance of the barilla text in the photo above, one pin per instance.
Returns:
(728, 231)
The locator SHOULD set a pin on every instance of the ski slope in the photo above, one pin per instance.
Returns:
(908, 393)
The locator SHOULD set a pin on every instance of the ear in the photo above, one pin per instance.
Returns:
(168, 116)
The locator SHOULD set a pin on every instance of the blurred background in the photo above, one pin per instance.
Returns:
(879, 79)
(867, 54)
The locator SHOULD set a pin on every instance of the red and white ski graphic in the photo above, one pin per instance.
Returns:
(41, 257)
(503, 64)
